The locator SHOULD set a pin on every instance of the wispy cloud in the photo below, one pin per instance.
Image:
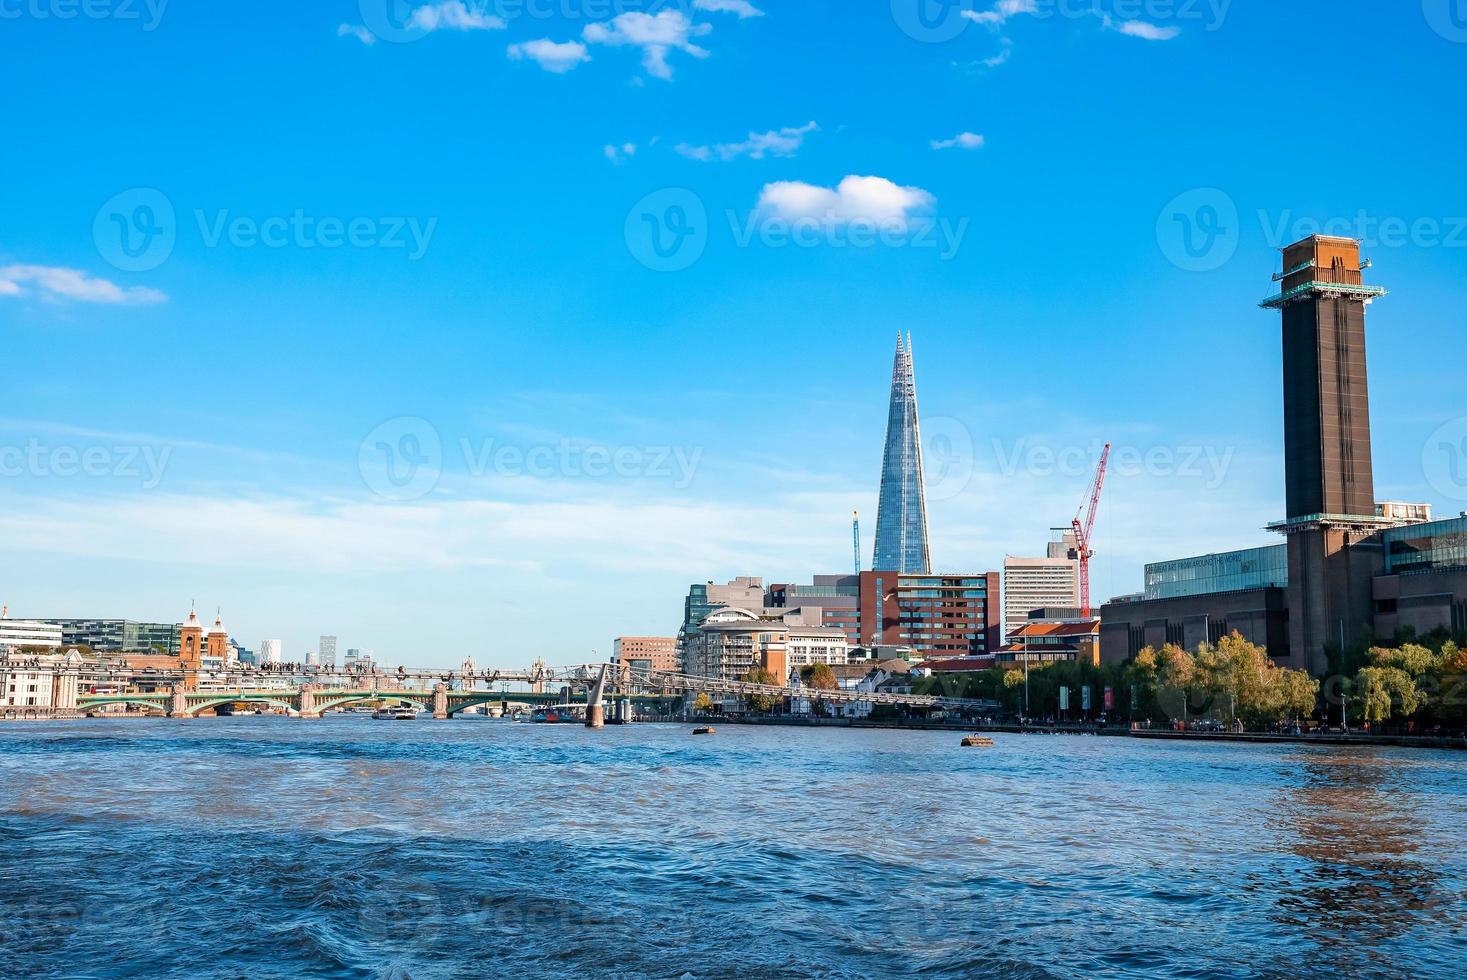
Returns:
(777, 142)
(620, 154)
(445, 15)
(1143, 30)
(1002, 57)
(454, 15)
(967, 141)
(742, 8)
(1001, 12)
(553, 56)
(57, 284)
(657, 36)
(874, 200)
(358, 31)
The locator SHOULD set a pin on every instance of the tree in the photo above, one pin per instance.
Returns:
(1411, 658)
(818, 677)
(762, 702)
(1387, 692)
(703, 703)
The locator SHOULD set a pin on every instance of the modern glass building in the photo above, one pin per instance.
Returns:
(115, 635)
(1422, 547)
(901, 515)
(1234, 571)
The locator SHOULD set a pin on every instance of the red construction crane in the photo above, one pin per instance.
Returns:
(1083, 532)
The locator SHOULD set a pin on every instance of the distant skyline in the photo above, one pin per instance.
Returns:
(454, 330)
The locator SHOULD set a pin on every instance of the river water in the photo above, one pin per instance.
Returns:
(252, 847)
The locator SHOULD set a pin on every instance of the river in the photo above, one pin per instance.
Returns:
(347, 847)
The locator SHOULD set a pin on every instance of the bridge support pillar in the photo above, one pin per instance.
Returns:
(595, 706)
(308, 702)
(440, 702)
(178, 705)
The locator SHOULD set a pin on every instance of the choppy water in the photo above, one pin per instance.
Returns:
(347, 847)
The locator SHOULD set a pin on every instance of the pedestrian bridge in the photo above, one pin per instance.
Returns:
(451, 694)
(312, 704)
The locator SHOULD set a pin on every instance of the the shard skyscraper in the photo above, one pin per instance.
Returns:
(901, 516)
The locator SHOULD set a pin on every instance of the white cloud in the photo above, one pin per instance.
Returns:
(1001, 12)
(619, 154)
(873, 200)
(1143, 30)
(454, 15)
(656, 35)
(553, 56)
(446, 15)
(357, 31)
(781, 143)
(1002, 57)
(968, 141)
(743, 8)
(57, 283)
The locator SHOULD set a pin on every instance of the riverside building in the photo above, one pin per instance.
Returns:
(28, 632)
(1351, 567)
(1041, 583)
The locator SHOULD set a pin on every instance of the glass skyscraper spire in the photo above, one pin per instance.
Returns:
(901, 516)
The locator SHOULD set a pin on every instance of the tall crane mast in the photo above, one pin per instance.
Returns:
(856, 537)
(1084, 531)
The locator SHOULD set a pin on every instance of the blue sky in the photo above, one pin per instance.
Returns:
(427, 230)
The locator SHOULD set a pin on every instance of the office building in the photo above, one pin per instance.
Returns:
(326, 654)
(1423, 586)
(647, 652)
(270, 652)
(901, 513)
(1037, 583)
(28, 632)
(118, 635)
(836, 597)
(731, 642)
(745, 592)
(943, 615)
